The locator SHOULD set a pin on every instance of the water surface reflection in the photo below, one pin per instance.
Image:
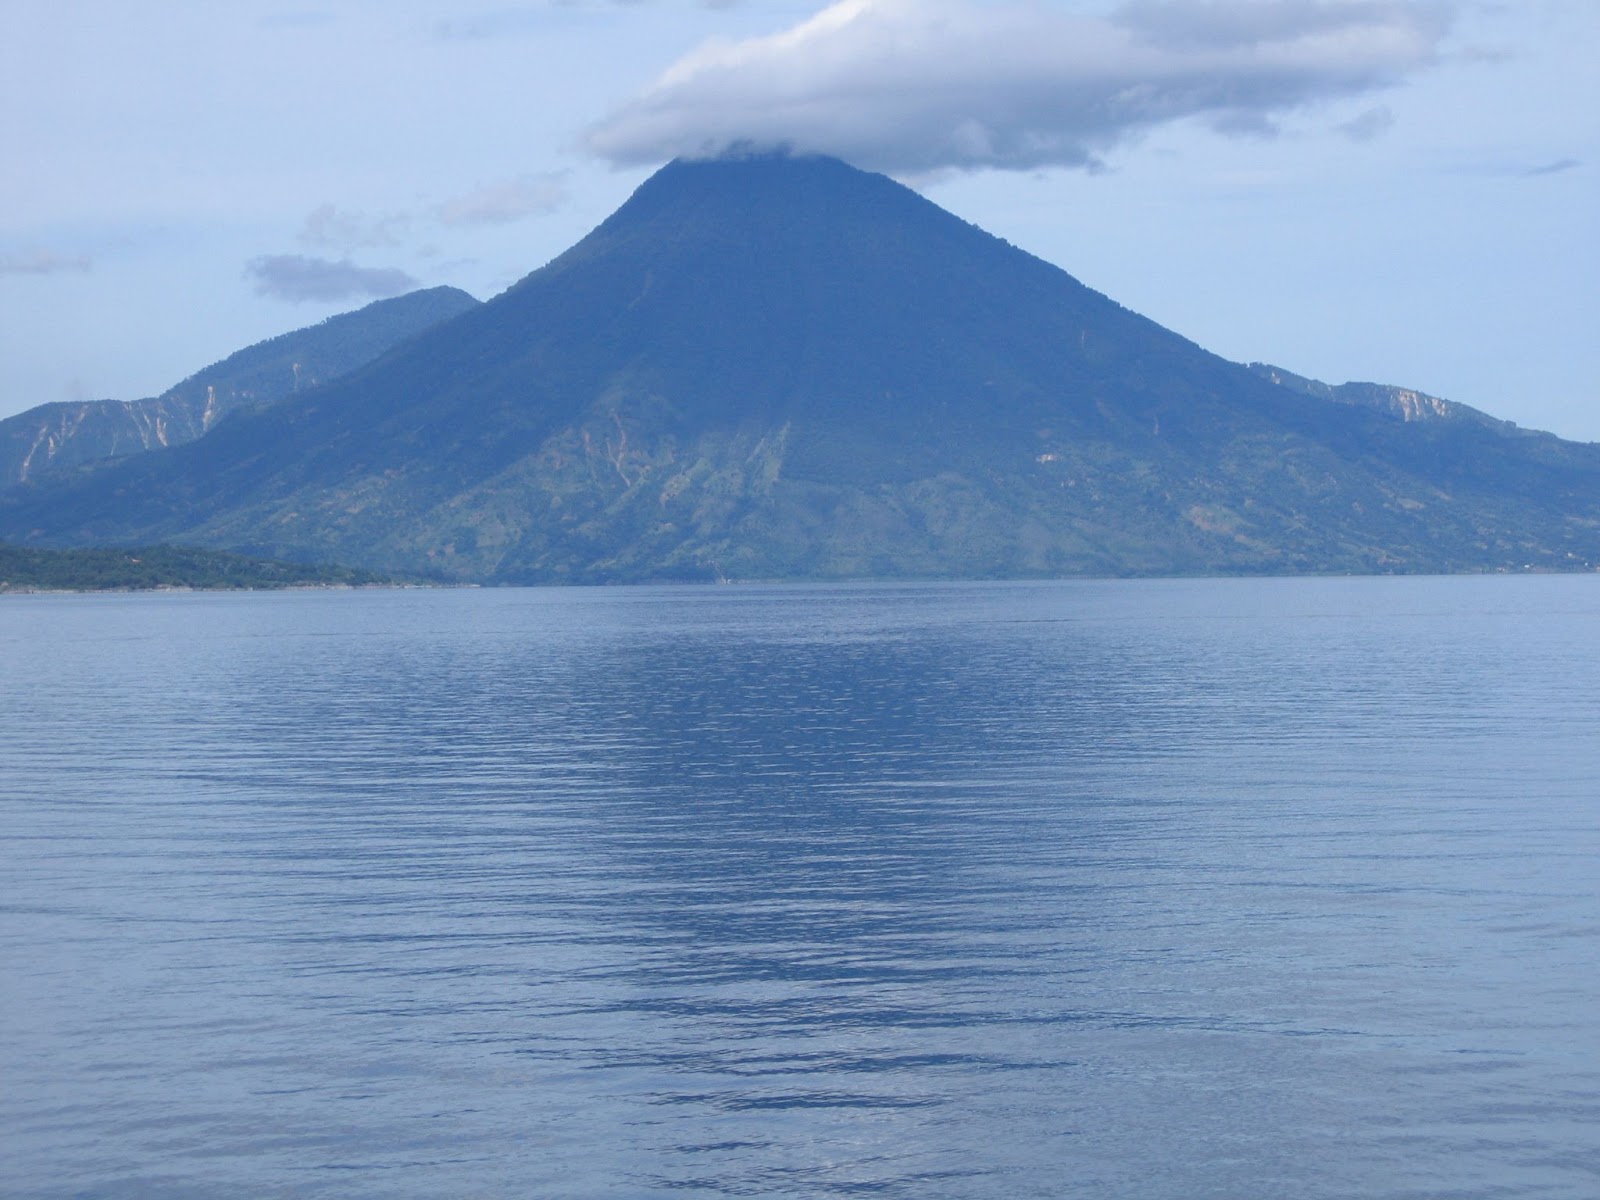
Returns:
(1097, 889)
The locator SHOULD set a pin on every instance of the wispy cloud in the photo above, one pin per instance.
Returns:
(923, 85)
(504, 202)
(1552, 168)
(297, 278)
(327, 227)
(41, 262)
(330, 228)
(1519, 170)
(1368, 125)
(494, 24)
(521, 20)
(296, 19)
(342, 232)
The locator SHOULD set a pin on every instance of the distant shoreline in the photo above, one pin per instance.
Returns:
(29, 570)
(185, 589)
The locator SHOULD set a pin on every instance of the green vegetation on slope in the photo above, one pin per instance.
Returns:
(23, 569)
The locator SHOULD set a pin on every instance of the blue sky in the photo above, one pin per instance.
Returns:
(1352, 189)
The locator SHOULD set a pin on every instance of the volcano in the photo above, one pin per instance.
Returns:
(787, 368)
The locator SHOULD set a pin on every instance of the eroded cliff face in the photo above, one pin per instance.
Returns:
(59, 436)
(1405, 404)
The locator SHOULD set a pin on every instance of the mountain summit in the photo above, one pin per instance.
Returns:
(788, 368)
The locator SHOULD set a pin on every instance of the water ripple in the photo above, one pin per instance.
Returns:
(1161, 889)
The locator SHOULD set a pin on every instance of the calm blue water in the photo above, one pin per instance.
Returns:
(1227, 889)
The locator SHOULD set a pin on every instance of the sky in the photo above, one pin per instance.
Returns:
(1395, 191)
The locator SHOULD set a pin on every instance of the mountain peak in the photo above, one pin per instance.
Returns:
(744, 187)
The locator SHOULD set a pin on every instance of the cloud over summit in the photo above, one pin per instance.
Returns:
(922, 85)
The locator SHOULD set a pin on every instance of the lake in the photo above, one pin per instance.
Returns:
(1154, 889)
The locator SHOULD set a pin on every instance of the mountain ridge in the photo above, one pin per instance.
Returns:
(788, 368)
(65, 434)
(1402, 403)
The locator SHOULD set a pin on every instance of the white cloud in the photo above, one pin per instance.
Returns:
(506, 201)
(921, 85)
(297, 278)
(41, 262)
